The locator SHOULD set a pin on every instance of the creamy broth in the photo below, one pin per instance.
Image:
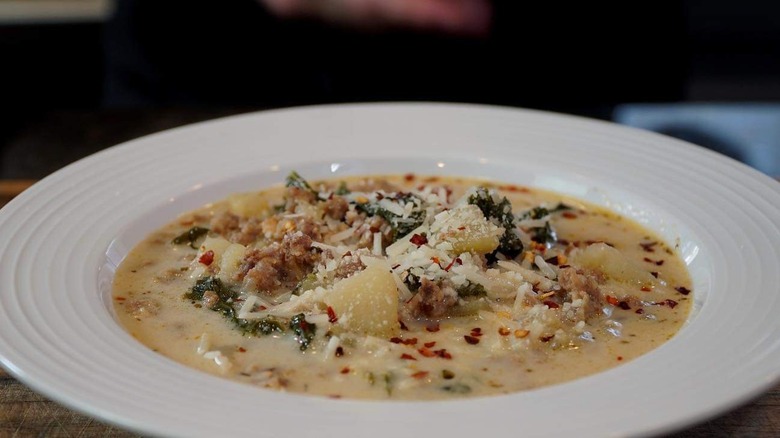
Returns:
(453, 306)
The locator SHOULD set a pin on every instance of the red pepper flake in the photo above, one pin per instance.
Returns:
(455, 260)
(436, 260)
(640, 311)
(551, 304)
(347, 254)
(429, 344)
(461, 228)
(654, 274)
(624, 305)
(569, 215)
(443, 354)
(553, 261)
(671, 303)
(120, 298)
(332, 318)
(620, 358)
(646, 288)
(476, 332)
(656, 262)
(242, 349)
(420, 374)
(503, 331)
(471, 339)
(426, 352)
(345, 370)
(408, 357)
(261, 307)
(612, 300)
(648, 247)
(683, 290)
(432, 328)
(409, 177)
(419, 240)
(546, 338)
(339, 351)
(403, 326)
(396, 340)
(207, 257)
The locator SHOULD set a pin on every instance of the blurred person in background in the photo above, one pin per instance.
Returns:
(560, 56)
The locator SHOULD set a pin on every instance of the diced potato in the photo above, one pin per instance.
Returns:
(366, 303)
(467, 229)
(231, 261)
(216, 244)
(611, 262)
(251, 204)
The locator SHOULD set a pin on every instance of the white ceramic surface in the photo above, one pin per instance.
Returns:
(61, 240)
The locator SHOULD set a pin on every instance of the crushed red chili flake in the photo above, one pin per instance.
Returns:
(551, 304)
(455, 260)
(419, 240)
(339, 351)
(432, 328)
(332, 318)
(654, 274)
(569, 215)
(396, 340)
(656, 262)
(120, 298)
(471, 339)
(648, 247)
(546, 338)
(347, 254)
(207, 258)
(503, 331)
(683, 290)
(403, 326)
(345, 370)
(436, 260)
(420, 374)
(426, 352)
(640, 311)
(624, 305)
(409, 177)
(612, 300)
(620, 358)
(429, 344)
(671, 303)
(552, 261)
(645, 288)
(242, 349)
(408, 356)
(443, 353)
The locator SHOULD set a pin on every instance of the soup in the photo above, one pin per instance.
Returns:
(402, 287)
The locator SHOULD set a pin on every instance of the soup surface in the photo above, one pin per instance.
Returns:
(402, 287)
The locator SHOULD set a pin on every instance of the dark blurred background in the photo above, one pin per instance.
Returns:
(82, 75)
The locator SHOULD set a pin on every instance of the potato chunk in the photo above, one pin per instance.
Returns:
(467, 229)
(603, 258)
(366, 303)
(253, 204)
(230, 262)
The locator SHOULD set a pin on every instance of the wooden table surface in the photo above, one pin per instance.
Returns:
(24, 413)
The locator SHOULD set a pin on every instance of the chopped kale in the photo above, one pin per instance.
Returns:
(401, 226)
(213, 284)
(342, 189)
(470, 290)
(412, 282)
(190, 236)
(544, 234)
(499, 213)
(295, 180)
(224, 305)
(264, 326)
(304, 331)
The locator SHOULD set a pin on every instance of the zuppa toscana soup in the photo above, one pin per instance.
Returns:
(402, 287)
